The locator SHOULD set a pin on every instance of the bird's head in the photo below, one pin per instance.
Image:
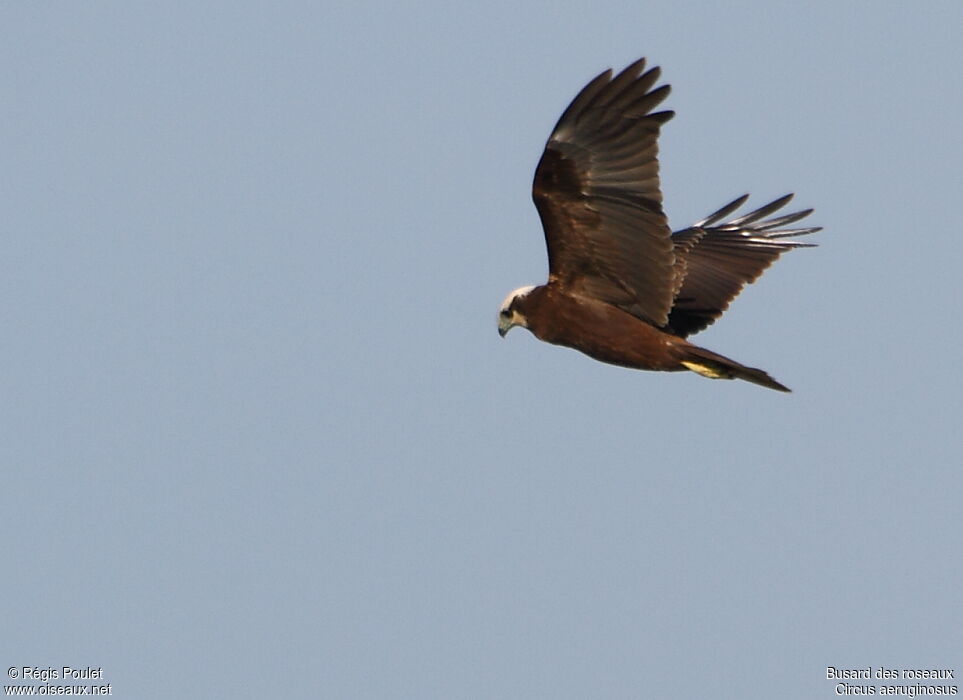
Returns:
(509, 314)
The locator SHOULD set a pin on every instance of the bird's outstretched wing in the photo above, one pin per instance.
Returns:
(717, 260)
(597, 192)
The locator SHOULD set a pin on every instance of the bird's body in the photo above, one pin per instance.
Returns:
(591, 325)
(622, 288)
(609, 334)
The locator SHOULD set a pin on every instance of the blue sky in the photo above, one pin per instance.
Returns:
(261, 437)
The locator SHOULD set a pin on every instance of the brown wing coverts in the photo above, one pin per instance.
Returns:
(719, 259)
(597, 192)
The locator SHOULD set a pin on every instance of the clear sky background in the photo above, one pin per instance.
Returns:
(259, 435)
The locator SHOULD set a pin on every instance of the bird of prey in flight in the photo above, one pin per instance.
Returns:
(622, 287)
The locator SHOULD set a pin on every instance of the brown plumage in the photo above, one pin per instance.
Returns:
(622, 288)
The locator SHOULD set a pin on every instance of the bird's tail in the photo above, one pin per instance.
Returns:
(709, 364)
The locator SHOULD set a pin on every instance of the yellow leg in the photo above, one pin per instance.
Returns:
(707, 370)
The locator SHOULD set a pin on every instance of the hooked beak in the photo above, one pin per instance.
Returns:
(505, 324)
